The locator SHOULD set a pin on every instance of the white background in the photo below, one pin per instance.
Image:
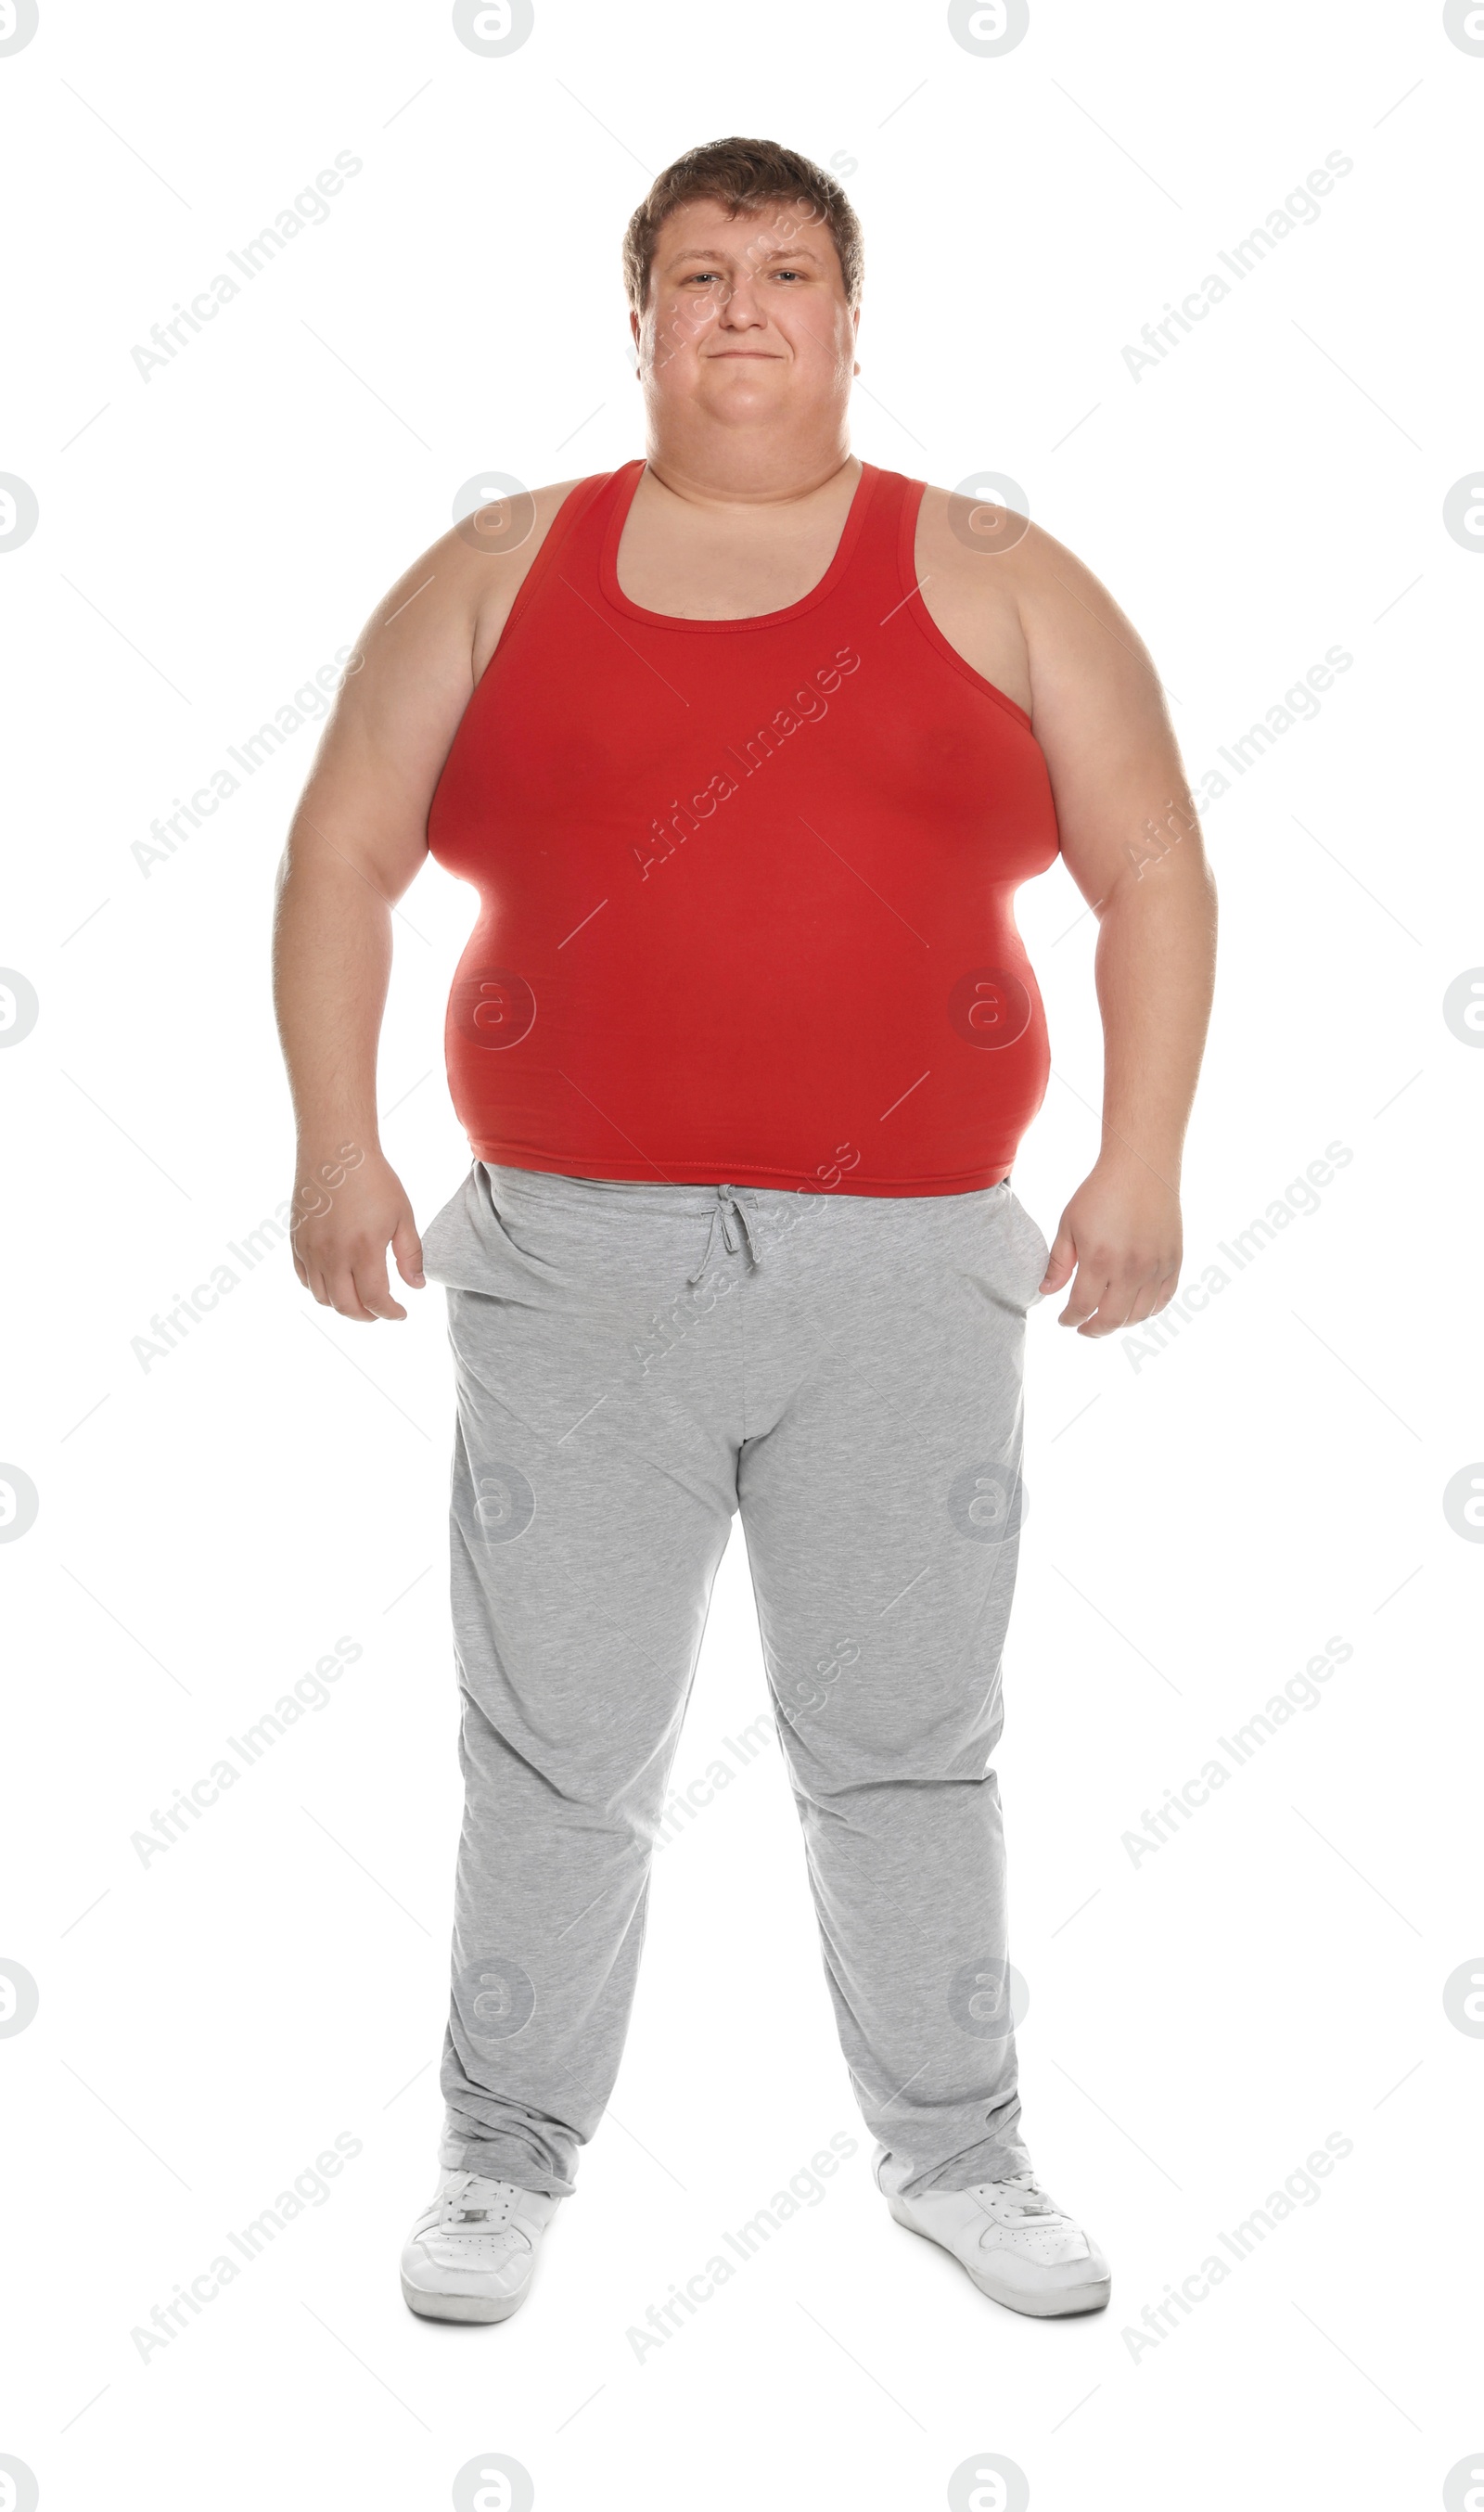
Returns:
(1201, 1523)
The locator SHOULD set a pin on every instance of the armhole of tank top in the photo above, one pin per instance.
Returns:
(574, 506)
(907, 540)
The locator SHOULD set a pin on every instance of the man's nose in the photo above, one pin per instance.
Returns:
(737, 304)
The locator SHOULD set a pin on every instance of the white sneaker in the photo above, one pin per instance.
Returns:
(471, 2252)
(1014, 2240)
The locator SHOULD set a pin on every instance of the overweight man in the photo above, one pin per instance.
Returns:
(745, 748)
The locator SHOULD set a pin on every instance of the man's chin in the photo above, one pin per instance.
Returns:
(740, 389)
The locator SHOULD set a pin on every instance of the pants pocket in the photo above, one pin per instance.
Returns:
(453, 1243)
(1034, 1240)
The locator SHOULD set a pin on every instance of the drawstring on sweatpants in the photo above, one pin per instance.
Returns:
(726, 1210)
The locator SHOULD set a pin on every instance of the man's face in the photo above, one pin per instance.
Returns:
(747, 319)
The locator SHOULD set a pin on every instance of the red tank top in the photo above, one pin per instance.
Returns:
(747, 885)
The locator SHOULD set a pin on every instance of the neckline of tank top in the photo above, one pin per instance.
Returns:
(628, 477)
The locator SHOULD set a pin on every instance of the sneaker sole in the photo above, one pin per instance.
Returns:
(1064, 2304)
(458, 2306)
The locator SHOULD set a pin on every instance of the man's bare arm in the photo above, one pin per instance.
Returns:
(1132, 844)
(358, 838)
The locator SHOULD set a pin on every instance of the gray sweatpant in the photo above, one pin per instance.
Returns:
(634, 1363)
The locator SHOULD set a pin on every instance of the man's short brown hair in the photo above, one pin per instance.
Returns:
(743, 174)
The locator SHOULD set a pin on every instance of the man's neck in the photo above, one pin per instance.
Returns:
(727, 469)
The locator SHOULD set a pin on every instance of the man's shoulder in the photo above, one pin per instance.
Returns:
(962, 527)
(1015, 601)
(495, 543)
(465, 583)
(989, 553)
(497, 516)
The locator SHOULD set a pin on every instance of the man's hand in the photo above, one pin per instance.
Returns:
(1120, 1234)
(342, 1232)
